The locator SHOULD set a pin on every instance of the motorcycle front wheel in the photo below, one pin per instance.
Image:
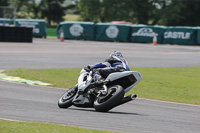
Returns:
(66, 99)
(104, 103)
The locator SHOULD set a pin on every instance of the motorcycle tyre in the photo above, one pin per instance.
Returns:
(111, 102)
(67, 103)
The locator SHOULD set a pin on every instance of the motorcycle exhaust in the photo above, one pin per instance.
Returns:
(128, 98)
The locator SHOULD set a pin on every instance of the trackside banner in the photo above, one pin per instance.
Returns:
(180, 35)
(5, 22)
(39, 26)
(145, 34)
(198, 35)
(77, 30)
(112, 32)
(129, 33)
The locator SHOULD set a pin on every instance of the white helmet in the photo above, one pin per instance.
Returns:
(118, 56)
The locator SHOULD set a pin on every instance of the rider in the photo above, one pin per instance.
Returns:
(115, 63)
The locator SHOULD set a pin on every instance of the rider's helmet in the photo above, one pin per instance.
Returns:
(118, 56)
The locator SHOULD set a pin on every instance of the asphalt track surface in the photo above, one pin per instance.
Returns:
(37, 103)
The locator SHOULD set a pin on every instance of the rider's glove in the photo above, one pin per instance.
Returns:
(87, 68)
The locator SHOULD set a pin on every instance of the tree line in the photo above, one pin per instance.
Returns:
(150, 12)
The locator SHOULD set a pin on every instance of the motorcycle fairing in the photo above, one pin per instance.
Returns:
(126, 79)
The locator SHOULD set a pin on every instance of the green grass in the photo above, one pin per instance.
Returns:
(64, 78)
(52, 37)
(170, 84)
(37, 127)
(180, 84)
(71, 17)
(51, 31)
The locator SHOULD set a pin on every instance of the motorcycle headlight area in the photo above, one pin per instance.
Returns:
(82, 86)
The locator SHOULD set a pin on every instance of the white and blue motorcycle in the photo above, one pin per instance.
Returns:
(104, 96)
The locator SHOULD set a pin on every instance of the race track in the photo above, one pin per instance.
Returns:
(76, 54)
(37, 103)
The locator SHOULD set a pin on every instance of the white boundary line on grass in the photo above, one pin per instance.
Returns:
(31, 84)
(11, 119)
(169, 102)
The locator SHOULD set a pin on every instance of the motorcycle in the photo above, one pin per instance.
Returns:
(101, 96)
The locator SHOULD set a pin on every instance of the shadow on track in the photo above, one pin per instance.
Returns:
(110, 112)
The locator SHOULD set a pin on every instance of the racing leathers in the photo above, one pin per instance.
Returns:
(111, 65)
(115, 63)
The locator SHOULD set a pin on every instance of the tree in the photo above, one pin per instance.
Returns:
(102, 10)
(114, 10)
(4, 11)
(4, 3)
(141, 12)
(190, 14)
(18, 3)
(167, 12)
(52, 10)
(135, 11)
(90, 10)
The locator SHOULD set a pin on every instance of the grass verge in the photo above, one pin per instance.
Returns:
(179, 84)
(71, 17)
(37, 127)
(51, 31)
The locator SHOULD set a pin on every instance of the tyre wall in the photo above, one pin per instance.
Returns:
(15, 34)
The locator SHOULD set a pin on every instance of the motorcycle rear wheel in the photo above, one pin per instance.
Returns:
(113, 98)
(66, 100)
